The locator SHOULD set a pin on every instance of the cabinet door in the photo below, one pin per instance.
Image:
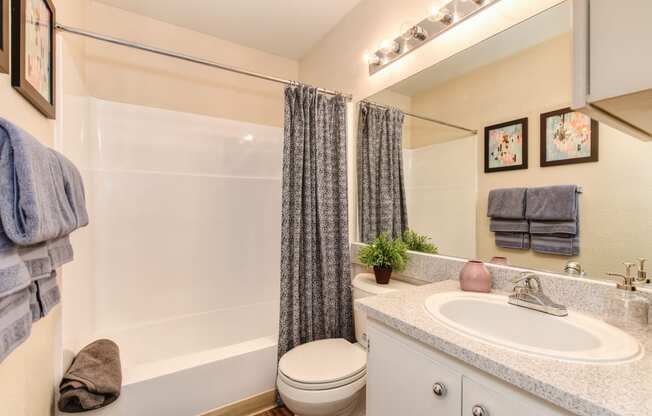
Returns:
(400, 381)
(476, 395)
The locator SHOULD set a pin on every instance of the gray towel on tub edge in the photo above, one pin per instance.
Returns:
(94, 379)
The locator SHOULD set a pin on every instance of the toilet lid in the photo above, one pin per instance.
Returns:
(324, 361)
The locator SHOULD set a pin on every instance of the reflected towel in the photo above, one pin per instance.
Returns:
(520, 241)
(553, 227)
(510, 226)
(552, 203)
(93, 380)
(15, 321)
(507, 203)
(561, 244)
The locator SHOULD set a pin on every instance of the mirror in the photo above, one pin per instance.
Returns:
(521, 73)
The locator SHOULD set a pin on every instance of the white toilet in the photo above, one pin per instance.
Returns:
(327, 377)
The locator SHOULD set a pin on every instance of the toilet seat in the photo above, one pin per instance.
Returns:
(323, 365)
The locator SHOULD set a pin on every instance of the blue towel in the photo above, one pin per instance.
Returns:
(553, 212)
(41, 201)
(39, 190)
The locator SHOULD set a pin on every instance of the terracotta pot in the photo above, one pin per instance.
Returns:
(382, 274)
(475, 277)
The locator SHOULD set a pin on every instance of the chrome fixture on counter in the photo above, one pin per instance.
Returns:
(528, 293)
(641, 276)
(574, 268)
(439, 20)
(627, 278)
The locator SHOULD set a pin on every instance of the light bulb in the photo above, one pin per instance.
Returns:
(411, 31)
(371, 58)
(442, 15)
(389, 46)
(406, 30)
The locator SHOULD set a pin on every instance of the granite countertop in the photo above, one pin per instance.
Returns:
(584, 389)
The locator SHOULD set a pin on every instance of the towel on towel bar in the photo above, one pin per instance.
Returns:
(15, 321)
(507, 203)
(552, 203)
(519, 241)
(41, 196)
(553, 212)
(93, 380)
(509, 226)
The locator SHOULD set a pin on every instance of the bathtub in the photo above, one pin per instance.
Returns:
(189, 365)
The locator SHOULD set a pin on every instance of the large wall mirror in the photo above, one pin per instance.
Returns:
(521, 73)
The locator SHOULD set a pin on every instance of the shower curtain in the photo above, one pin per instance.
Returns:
(381, 185)
(315, 263)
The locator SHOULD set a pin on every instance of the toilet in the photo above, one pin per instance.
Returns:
(328, 377)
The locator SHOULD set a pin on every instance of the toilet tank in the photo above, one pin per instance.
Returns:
(364, 285)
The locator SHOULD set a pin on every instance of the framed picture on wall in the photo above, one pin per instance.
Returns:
(4, 36)
(32, 53)
(506, 146)
(568, 137)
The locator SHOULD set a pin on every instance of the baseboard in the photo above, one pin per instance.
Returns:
(247, 407)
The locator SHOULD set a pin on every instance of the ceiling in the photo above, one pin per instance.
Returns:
(288, 28)
(547, 25)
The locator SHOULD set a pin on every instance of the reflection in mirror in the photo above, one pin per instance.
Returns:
(521, 73)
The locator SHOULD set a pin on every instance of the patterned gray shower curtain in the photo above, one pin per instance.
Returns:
(315, 262)
(381, 188)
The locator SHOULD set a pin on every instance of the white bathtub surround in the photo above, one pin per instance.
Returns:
(581, 294)
(583, 389)
(186, 221)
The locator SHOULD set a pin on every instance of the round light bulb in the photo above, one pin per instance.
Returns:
(441, 14)
(389, 46)
(371, 58)
(406, 30)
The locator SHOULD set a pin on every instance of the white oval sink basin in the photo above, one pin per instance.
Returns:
(489, 318)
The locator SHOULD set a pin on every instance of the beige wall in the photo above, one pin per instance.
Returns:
(29, 375)
(116, 73)
(615, 221)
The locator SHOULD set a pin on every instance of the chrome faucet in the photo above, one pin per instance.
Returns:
(627, 279)
(641, 276)
(528, 293)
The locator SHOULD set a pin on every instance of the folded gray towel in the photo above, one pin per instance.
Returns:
(561, 244)
(553, 227)
(552, 203)
(520, 241)
(15, 321)
(507, 203)
(44, 295)
(510, 226)
(93, 380)
(14, 275)
(36, 189)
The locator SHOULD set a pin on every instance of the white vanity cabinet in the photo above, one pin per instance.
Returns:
(612, 63)
(405, 377)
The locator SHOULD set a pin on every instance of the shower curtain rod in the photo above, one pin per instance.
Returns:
(420, 117)
(187, 58)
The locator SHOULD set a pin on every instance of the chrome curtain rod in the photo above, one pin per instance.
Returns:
(187, 58)
(420, 117)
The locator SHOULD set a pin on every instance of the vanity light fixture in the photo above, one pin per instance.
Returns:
(439, 20)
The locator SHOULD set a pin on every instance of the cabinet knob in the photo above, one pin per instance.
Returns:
(479, 410)
(439, 389)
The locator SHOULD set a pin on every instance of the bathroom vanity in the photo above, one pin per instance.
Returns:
(419, 366)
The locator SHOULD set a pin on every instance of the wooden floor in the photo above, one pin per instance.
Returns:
(279, 411)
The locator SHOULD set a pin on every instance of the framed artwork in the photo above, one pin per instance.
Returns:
(32, 53)
(505, 146)
(568, 137)
(4, 36)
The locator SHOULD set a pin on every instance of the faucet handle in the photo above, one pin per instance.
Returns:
(628, 268)
(530, 280)
(627, 279)
(642, 273)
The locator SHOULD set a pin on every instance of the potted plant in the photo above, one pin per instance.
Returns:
(385, 255)
(416, 242)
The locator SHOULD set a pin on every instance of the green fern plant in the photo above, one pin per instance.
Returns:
(416, 242)
(384, 252)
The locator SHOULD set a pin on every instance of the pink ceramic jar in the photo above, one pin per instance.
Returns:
(475, 277)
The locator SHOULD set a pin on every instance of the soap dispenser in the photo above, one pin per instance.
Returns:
(624, 305)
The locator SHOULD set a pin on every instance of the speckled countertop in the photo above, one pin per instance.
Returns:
(583, 389)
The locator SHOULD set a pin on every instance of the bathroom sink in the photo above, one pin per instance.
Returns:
(489, 318)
